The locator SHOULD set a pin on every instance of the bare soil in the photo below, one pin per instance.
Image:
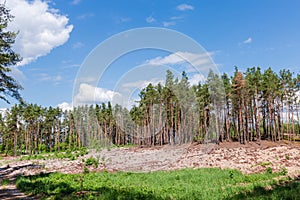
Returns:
(250, 158)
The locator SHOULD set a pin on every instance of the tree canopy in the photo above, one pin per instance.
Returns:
(249, 106)
(9, 87)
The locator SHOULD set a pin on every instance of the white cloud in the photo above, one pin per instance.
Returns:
(40, 28)
(85, 16)
(76, 2)
(3, 111)
(142, 83)
(167, 24)
(87, 79)
(176, 17)
(183, 7)
(78, 45)
(196, 60)
(121, 20)
(196, 78)
(65, 106)
(47, 77)
(90, 94)
(150, 19)
(17, 73)
(69, 66)
(248, 41)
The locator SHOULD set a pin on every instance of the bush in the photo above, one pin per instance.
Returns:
(5, 181)
(83, 151)
(92, 161)
(269, 170)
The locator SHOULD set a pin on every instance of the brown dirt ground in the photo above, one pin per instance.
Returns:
(250, 158)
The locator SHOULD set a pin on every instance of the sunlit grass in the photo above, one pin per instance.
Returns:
(210, 183)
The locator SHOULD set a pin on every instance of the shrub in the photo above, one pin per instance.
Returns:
(92, 161)
(269, 170)
(83, 151)
(5, 181)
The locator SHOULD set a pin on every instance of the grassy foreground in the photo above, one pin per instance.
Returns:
(208, 183)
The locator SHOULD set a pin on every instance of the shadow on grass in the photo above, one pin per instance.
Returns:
(61, 190)
(289, 190)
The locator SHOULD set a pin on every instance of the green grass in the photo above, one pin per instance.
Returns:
(210, 183)
(71, 155)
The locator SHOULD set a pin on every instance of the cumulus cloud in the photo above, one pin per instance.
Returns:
(181, 57)
(65, 106)
(184, 7)
(90, 94)
(248, 41)
(40, 27)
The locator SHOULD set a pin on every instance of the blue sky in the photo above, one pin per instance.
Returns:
(56, 36)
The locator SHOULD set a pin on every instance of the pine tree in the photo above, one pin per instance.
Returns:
(9, 87)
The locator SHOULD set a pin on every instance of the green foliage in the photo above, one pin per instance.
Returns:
(83, 151)
(9, 87)
(71, 155)
(208, 183)
(265, 164)
(42, 148)
(86, 170)
(269, 170)
(92, 161)
(214, 110)
(283, 171)
(5, 182)
(231, 174)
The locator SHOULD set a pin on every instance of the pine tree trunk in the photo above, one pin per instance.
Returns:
(15, 142)
(160, 124)
(58, 134)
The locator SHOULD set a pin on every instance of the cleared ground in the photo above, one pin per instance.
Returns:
(250, 158)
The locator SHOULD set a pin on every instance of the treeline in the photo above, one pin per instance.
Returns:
(248, 106)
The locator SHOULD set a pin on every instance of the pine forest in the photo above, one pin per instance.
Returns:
(247, 106)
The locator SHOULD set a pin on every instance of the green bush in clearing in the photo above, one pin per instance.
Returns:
(92, 161)
(5, 181)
